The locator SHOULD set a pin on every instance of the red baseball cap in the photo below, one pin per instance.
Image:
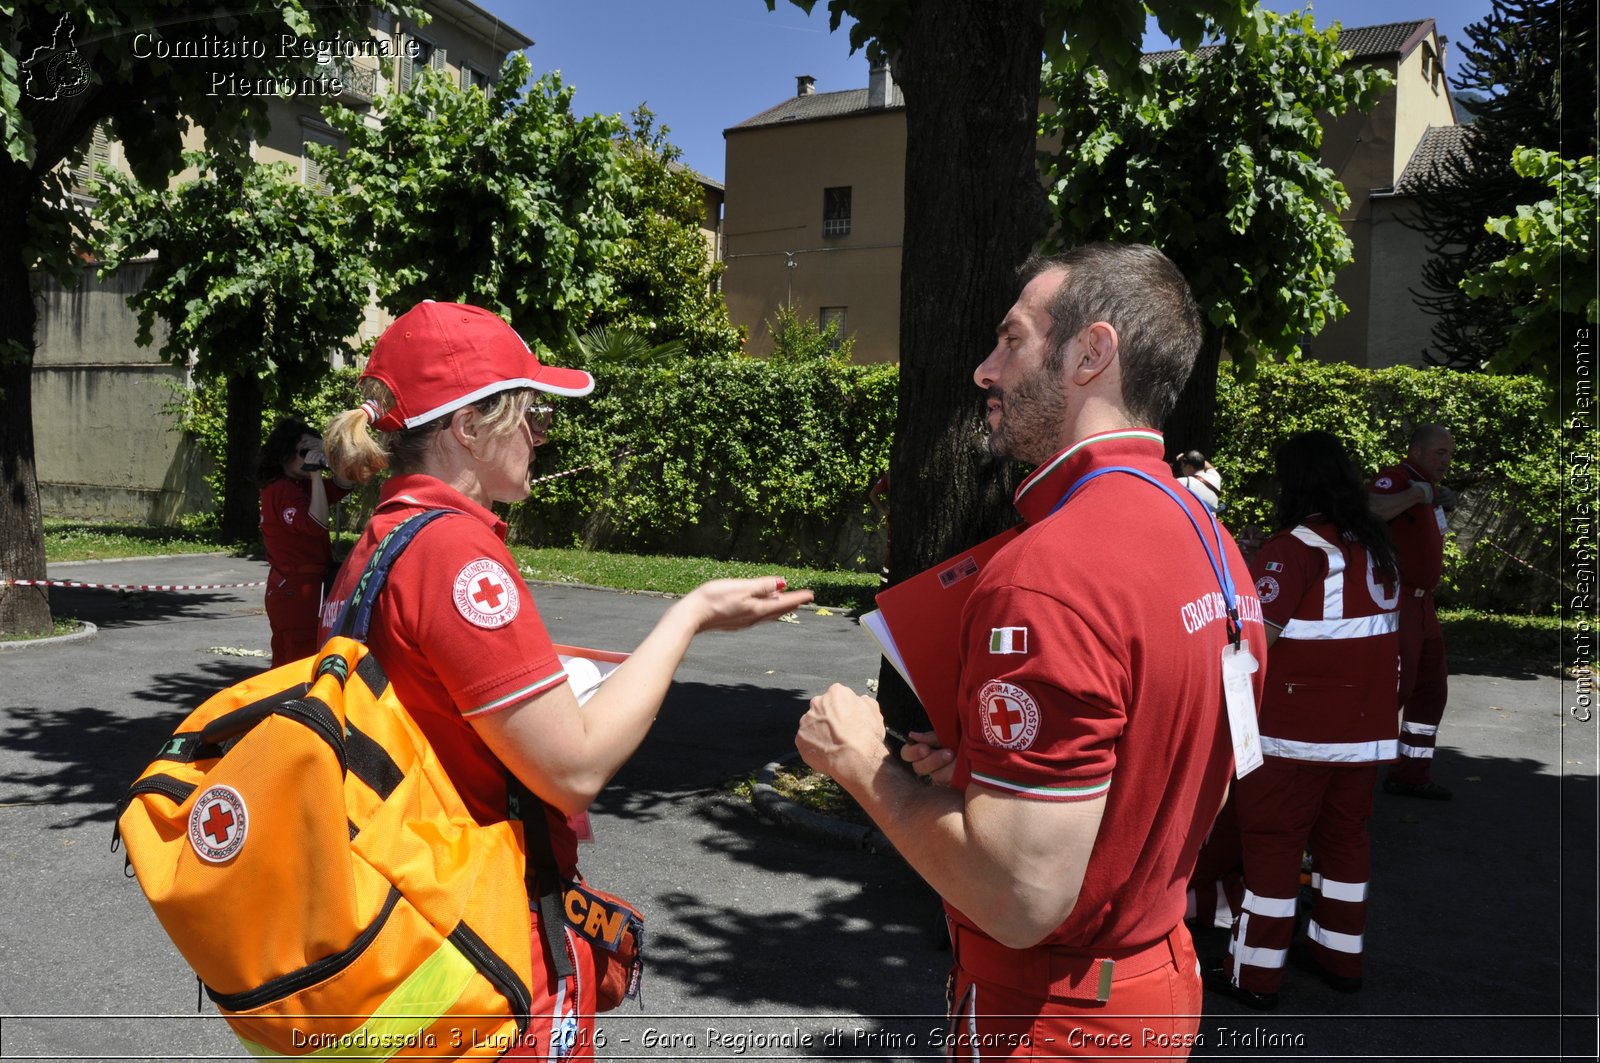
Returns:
(439, 357)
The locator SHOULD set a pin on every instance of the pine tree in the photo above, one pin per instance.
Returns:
(1530, 69)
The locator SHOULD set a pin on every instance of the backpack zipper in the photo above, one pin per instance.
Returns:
(497, 971)
(175, 789)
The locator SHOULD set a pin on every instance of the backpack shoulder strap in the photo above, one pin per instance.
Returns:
(355, 617)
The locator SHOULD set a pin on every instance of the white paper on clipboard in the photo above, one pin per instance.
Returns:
(879, 628)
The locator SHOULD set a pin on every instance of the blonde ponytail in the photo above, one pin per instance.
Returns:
(354, 455)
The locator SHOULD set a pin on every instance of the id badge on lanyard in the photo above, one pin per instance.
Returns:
(1238, 663)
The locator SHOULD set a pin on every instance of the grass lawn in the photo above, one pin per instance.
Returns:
(679, 575)
(77, 540)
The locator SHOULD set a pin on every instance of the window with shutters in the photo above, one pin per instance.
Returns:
(99, 153)
(311, 174)
(836, 211)
(471, 77)
(417, 54)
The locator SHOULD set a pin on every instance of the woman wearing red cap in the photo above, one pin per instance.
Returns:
(458, 403)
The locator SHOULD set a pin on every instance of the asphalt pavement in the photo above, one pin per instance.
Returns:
(765, 940)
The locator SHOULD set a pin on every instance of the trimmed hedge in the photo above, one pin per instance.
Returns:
(725, 457)
(1507, 467)
(745, 459)
(739, 458)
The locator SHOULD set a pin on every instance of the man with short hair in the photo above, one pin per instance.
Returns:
(1093, 747)
(1412, 497)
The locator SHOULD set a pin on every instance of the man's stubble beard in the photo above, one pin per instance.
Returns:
(1031, 417)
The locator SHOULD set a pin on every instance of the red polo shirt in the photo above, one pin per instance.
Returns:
(1332, 691)
(296, 544)
(1092, 664)
(1418, 533)
(457, 632)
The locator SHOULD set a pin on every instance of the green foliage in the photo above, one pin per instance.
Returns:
(665, 283)
(1216, 162)
(1507, 467)
(1548, 277)
(66, 66)
(798, 339)
(1530, 66)
(617, 345)
(1104, 33)
(737, 457)
(502, 199)
(254, 272)
(202, 414)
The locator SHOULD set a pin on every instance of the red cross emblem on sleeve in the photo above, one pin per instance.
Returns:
(1009, 715)
(486, 594)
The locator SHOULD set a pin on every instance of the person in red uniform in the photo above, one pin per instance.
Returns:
(458, 404)
(295, 496)
(1413, 499)
(1093, 747)
(1330, 593)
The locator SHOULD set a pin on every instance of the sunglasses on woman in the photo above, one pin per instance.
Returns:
(539, 416)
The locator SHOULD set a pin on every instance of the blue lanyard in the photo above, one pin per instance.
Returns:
(1217, 557)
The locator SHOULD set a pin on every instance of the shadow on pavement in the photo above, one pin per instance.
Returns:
(89, 755)
(113, 609)
(865, 947)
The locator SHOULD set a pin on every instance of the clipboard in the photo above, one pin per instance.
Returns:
(918, 626)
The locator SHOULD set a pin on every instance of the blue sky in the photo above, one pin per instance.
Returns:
(705, 65)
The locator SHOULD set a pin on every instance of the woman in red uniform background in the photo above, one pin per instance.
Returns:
(458, 405)
(295, 498)
(1329, 590)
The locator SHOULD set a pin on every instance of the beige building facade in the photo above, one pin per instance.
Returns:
(791, 241)
(105, 435)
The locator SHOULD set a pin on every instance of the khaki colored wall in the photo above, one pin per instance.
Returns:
(773, 216)
(1422, 102)
(1359, 148)
(1400, 329)
(107, 447)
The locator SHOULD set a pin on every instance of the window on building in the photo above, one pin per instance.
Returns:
(99, 152)
(833, 316)
(471, 76)
(416, 55)
(1429, 64)
(836, 211)
(311, 174)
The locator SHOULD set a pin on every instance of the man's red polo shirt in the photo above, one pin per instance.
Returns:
(1092, 664)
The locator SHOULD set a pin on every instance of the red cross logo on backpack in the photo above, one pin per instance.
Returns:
(218, 824)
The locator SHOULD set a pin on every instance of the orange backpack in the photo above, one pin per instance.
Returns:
(304, 849)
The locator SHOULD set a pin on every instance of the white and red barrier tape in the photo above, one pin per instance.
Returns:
(126, 586)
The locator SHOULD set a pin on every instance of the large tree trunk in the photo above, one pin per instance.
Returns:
(23, 610)
(241, 504)
(974, 207)
(1192, 425)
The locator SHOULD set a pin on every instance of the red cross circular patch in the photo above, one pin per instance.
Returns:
(1267, 589)
(289, 515)
(1010, 715)
(217, 824)
(486, 594)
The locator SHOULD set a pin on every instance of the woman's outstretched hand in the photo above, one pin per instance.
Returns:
(732, 604)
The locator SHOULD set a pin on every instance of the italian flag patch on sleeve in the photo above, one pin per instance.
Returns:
(1008, 640)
